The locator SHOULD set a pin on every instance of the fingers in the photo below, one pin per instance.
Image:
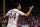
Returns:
(32, 6)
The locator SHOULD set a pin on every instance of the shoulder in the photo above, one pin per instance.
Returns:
(9, 11)
(15, 9)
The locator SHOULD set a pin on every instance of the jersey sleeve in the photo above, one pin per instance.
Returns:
(7, 13)
(20, 13)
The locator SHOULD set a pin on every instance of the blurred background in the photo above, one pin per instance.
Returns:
(34, 18)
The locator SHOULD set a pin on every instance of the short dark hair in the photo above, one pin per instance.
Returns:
(15, 5)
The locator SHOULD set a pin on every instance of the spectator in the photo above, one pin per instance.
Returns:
(0, 21)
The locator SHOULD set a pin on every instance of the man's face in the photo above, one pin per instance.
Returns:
(19, 7)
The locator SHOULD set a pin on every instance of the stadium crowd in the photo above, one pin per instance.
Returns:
(23, 21)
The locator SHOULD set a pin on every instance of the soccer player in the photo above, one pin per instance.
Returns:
(14, 13)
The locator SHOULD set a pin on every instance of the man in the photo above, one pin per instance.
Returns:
(14, 13)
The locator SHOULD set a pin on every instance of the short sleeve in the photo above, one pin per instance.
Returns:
(7, 13)
(20, 13)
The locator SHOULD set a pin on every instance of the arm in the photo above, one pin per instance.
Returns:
(27, 14)
(4, 19)
(5, 16)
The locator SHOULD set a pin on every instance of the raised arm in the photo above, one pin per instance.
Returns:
(27, 14)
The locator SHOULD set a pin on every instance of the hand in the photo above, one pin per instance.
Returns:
(31, 7)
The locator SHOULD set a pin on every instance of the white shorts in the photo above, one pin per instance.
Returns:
(9, 25)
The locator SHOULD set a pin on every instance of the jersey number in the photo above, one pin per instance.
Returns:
(13, 16)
